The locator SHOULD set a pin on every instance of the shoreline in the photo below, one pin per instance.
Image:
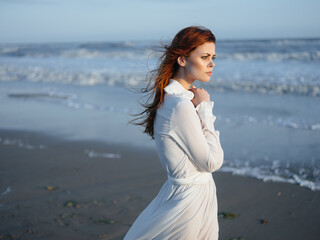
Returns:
(52, 188)
(20, 139)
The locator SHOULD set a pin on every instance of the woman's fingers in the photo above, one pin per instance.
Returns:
(192, 88)
(200, 95)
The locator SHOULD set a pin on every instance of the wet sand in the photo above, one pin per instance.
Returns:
(51, 188)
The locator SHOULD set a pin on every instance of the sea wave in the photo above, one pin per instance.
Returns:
(265, 87)
(261, 174)
(271, 56)
(144, 54)
(46, 75)
(263, 50)
(116, 50)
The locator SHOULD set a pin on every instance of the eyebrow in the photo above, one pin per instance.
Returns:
(209, 54)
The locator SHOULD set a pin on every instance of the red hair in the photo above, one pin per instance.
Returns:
(182, 45)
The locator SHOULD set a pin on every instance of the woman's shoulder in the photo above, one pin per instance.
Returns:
(179, 106)
(177, 102)
(176, 105)
(184, 108)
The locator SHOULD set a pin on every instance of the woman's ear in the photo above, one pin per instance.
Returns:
(181, 61)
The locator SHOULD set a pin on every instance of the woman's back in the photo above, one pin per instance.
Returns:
(172, 157)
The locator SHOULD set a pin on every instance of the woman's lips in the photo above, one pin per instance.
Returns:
(209, 73)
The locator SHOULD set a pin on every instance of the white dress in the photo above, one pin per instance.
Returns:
(189, 150)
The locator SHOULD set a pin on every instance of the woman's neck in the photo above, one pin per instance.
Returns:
(182, 80)
(182, 77)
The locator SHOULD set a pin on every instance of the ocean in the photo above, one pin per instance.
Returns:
(266, 94)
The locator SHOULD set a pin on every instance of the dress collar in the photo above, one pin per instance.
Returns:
(175, 88)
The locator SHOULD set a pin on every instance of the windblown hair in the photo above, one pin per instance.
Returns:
(182, 45)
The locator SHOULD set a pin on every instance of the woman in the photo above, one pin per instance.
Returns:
(180, 120)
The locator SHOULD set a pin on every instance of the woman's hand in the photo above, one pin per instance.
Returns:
(200, 95)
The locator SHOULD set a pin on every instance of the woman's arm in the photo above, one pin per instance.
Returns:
(193, 130)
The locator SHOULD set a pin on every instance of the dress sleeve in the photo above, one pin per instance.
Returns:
(193, 130)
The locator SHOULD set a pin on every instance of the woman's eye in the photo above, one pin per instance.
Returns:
(204, 57)
(213, 58)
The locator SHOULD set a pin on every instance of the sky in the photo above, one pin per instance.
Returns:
(25, 21)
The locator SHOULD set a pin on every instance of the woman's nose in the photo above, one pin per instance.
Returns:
(211, 64)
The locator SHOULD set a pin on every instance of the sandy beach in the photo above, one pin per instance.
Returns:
(57, 189)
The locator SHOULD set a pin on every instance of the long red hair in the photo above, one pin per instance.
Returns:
(182, 45)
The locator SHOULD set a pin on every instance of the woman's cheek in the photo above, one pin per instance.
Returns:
(194, 66)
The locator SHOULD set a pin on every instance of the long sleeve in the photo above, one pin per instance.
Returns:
(193, 130)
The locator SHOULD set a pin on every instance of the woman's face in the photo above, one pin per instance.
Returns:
(199, 64)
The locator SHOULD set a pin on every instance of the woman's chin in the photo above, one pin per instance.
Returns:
(204, 80)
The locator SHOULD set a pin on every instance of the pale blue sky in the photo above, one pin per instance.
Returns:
(106, 20)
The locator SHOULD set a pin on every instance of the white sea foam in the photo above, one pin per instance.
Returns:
(305, 183)
(270, 121)
(116, 55)
(84, 51)
(315, 126)
(21, 144)
(285, 87)
(46, 75)
(271, 56)
(268, 176)
(5, 192)
(6, 50)
(93, 154)
(292, 125)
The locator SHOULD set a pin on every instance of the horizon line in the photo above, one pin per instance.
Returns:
(159, 40)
